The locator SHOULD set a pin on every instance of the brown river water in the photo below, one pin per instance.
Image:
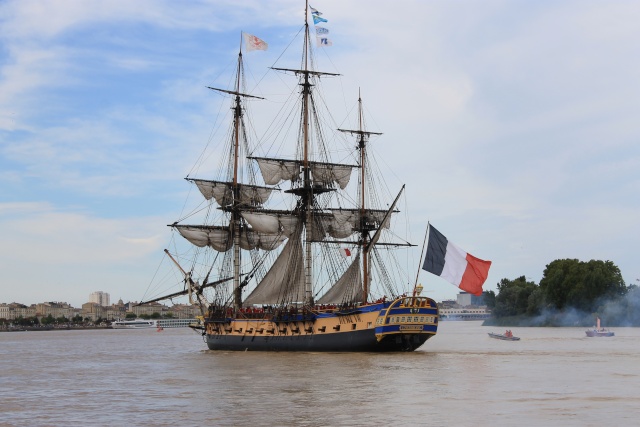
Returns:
(461, 377)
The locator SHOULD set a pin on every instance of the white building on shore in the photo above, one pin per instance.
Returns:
(101, 298)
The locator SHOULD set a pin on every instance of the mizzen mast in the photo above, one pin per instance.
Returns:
(362, 137)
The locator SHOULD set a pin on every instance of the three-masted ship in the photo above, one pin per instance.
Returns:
(298, 278)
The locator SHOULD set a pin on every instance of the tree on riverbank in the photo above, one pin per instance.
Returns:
(570, 293)
(514, 297)
(581, 285)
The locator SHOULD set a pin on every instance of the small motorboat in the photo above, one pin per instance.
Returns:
(507, 336)
(597, 331)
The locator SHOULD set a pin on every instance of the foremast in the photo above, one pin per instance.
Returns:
(232, 195)
(235, 215)
(234, 208)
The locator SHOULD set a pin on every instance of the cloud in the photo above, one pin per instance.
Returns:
(44, 235)
(48, 254)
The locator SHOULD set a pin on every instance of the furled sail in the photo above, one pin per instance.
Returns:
(284, 282)
(328, 173)
(219, 237)
(250, 239)
(222, 192)
(272, 223)
(325, 224)
(275, 171)
(351, 217)
(348, 289)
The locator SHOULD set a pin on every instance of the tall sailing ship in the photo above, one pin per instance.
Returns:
(309, 276)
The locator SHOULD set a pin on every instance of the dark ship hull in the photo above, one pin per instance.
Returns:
(358, 341)
(400, 325)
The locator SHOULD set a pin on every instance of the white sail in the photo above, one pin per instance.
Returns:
(289, 224)
(285, 279)
(272, 223)
(340, 231)
(263, 222)
(348, 288)
(324, 225)
(352, 217)
(327, 173)
(252, 240)
(219, 238)
(274, 170)
(222, 192)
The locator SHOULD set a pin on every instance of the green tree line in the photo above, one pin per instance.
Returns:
(570, 293)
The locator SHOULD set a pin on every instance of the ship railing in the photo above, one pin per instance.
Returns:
(293, 314)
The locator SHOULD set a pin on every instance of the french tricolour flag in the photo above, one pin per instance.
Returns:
(456, 266)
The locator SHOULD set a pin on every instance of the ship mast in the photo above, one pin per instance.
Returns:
(362, 137)
(235, 183)
(235, 214)
(308, 195)
(365, 258)
(305, 188)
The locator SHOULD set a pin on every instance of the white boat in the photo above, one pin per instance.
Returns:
(133, 324)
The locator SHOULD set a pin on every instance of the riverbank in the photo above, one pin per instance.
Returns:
(51, 328)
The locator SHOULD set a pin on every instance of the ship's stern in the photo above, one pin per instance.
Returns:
(407, 323)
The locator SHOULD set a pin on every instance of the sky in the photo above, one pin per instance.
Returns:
(514, 125)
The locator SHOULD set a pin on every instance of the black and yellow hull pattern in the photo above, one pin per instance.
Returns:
(403, 324)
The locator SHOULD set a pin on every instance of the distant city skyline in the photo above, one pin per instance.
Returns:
(461, 297)
(105, 301)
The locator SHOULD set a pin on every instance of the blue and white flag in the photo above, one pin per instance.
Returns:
(321, 30)
(323, 41)
(317, 19)
(315, 11)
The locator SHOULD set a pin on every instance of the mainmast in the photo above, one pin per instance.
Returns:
(307, 191)
(308, 195)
